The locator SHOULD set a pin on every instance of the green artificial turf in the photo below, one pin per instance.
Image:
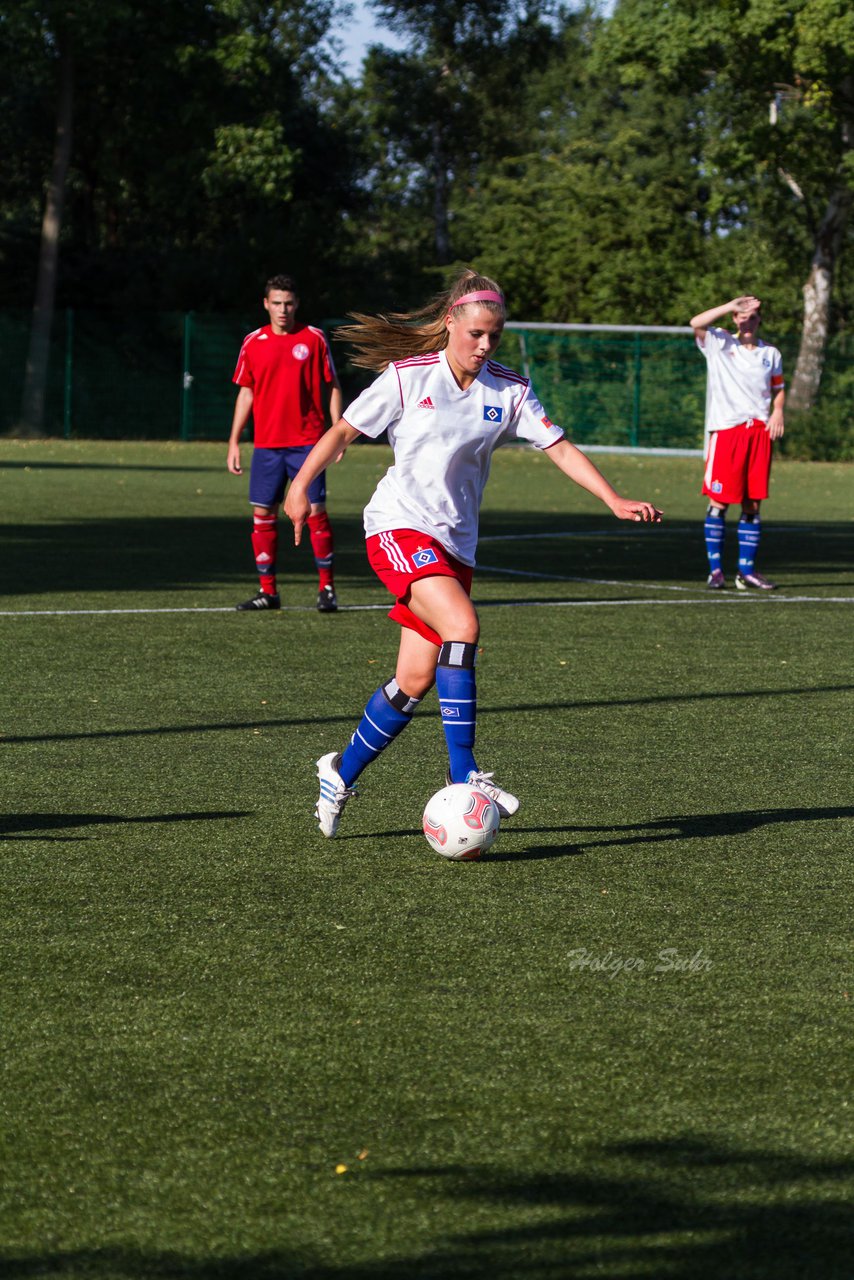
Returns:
(618, 1046)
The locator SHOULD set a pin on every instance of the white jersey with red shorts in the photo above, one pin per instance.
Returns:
(741, 384)
(285, 373)
(443, 439)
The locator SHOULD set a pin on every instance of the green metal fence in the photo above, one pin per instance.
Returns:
(168, 376)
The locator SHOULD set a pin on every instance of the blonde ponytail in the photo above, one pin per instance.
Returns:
(380, 339)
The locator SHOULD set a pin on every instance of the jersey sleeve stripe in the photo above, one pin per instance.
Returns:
(241, 359)
(330, 372)
(509, 375)
(417, 361)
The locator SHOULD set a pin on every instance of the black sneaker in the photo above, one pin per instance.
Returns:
(327, 601)
(261, 601)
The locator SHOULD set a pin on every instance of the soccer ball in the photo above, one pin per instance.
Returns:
(460, 822)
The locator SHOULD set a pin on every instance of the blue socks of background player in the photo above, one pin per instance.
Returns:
(749, 530)
(455, 685)
(714, 530)
(387, 714)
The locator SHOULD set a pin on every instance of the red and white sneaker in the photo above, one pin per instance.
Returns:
(746, 580)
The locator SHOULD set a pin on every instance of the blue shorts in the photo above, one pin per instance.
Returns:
(273, 468)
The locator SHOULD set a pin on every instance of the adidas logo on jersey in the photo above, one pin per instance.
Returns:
(426, 404)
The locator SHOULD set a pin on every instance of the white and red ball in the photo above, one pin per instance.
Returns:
(460, 822)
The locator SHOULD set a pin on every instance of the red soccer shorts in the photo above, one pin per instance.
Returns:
(738, 463)
(400, 557)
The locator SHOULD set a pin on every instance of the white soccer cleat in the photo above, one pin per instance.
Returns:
(334, 794)
(507, 804)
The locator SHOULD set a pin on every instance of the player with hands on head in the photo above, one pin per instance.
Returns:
(446, 405)
(285, 373)
(745, 394)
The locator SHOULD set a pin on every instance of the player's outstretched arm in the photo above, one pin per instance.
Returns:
(329, 447)
(575, 464)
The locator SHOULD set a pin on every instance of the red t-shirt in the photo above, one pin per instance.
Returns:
(285, 373)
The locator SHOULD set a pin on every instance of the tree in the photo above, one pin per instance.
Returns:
(35, 376)
(774, 83)
(823, 68)
(441, 107)
(600, 219)
(200, 127)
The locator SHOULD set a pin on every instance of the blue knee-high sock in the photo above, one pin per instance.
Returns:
(749, 531)
(714, 530)
(455, 685)
(387, 714)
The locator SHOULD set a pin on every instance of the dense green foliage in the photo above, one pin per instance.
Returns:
(621, 167)
(628, 164)
(200, 140)
(233, 1050)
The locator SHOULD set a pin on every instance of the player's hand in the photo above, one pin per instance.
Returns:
(746, 304)
(233, 460)
(297, 508)
(775, 427)
(640, 512)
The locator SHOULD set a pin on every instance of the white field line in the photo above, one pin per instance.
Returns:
(715, 599)
(712, 599)
(85, 613)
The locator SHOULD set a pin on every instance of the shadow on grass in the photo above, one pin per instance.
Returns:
(228, 726)
(193, 552)
(20, 822)
(584, 545)
(708, 826)
(532, 853)
(682, 827)
(158, 554)
(535, 853)
(685, 1208)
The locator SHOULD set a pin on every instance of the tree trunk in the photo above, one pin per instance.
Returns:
(817, 291)
(35, 380)
(440, 197)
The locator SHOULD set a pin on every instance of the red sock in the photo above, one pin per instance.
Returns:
(323, 546)
(264, 540)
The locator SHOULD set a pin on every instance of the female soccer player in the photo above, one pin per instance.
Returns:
(446, 406)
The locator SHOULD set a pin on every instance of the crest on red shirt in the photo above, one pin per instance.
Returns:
(301, 351)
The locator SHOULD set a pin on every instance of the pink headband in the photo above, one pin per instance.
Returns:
(483, 295)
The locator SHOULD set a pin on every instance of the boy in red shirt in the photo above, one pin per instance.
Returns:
(285, 374)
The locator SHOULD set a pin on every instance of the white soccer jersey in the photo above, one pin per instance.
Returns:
(443, 440)
(741, 382)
